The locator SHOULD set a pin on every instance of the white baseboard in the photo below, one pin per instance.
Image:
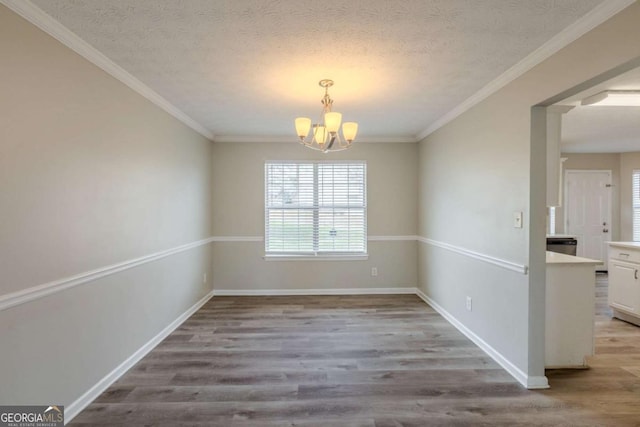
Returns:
(524, 379)
(90, 395)
(324, 291)
(534, 383)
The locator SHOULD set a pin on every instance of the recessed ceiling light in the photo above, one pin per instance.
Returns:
(620, 98)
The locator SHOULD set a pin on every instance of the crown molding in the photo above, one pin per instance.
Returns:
(45, 22)
(49, 25)
(289, 139)
(585, 24)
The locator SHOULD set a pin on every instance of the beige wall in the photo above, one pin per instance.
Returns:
(478, 170)
(239, 195)
(474, 175)
(91, 174)
(601, 161)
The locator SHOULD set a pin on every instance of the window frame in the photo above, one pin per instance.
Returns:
(552, 220)
(316, 254)
(635, 204)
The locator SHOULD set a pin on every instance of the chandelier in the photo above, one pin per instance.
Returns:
(325, 135)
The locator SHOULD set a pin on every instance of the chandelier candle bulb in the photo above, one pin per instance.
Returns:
(303, 124)
(320, 135)
(349, 130)
(332, 120)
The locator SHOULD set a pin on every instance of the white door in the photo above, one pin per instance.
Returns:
(588, 211)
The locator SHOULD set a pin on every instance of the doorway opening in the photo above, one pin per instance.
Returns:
(598, 151)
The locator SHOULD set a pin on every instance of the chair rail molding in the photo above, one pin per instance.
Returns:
(508, 265)
(389, 238)
(36, 292)
(23, 296)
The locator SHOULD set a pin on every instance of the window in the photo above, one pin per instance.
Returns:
(552, 220)
(636, 205)
(315, 208)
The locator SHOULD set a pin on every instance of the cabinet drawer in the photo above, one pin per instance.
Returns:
(624, 254)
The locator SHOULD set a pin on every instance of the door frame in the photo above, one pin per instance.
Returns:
(565, 189)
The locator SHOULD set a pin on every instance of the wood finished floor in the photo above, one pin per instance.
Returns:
(356, 361)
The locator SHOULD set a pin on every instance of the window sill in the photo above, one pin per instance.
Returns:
(341, 257)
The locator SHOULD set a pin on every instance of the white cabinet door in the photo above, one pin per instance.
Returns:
(624, 286)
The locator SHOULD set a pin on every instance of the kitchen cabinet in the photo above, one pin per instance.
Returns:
(624, 280)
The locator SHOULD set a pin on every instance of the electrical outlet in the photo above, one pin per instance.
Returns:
(204, 278)
(469, 302)
(374, 271)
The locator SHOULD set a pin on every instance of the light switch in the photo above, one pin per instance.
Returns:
(517, 219)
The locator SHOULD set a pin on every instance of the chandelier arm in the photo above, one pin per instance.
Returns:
(333, 139)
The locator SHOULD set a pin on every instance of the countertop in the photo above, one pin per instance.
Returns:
(557, 258)
(561, 236)
(632, 245)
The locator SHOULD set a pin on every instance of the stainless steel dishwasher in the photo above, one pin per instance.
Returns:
(563, 245)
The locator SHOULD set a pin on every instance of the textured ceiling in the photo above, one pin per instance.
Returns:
(593, 129)
(248, 67)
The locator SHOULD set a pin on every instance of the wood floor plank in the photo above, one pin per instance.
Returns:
(226, 393)
(240, 365)
(358, 361)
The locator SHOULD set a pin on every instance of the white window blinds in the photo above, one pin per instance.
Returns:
(315, 208)
(636, 205)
